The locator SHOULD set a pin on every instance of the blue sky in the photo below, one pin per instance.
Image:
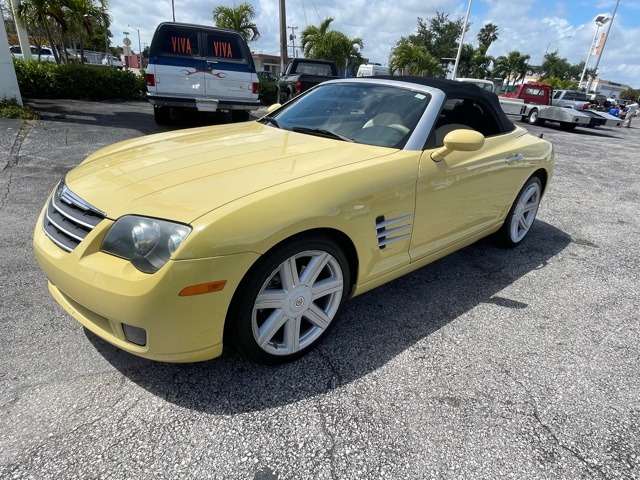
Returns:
(530, 26)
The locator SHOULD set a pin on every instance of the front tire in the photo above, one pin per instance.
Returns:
(533, 117)
(522, 214)
(289, 301)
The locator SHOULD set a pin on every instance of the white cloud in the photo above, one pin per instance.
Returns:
(529, 26)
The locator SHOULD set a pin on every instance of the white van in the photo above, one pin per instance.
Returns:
(204, 68)
(371, 70)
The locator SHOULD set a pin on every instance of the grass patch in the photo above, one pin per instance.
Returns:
(10, 109)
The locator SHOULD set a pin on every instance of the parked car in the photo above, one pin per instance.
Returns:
(201, 68)
(301, 74)
(267, 76)
(255, 234)
(42, 54)
(112, 61)
(372, 70)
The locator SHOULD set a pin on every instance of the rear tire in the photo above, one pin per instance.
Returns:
(522, 214)
(162, 115)
(239, 115)
(567, 127)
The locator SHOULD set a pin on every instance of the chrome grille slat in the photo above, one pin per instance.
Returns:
(61, 209)
(68, 219)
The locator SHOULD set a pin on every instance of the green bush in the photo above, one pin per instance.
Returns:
(9, 108)
(49, 80)
(268, 92)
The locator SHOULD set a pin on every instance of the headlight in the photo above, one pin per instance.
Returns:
(147, 242)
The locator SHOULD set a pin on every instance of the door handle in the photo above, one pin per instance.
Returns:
(515, 158)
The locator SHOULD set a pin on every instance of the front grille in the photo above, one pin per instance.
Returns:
(69, 219)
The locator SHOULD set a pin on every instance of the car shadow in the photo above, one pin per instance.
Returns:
(375, 327)
(121, 114)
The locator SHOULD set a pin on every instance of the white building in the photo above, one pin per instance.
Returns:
(608, 88)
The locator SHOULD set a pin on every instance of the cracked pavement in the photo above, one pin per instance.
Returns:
(490, 363)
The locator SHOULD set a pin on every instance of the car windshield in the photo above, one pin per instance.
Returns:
(368, 113)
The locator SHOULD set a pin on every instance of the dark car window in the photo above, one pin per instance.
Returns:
(367, 113)
(464, 113)
(180, 41)
(224, 47)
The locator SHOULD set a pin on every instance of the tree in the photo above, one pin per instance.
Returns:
(43, 14)
(413, 59)
(238, 18)
(487, 35)
(323, 43)
(631, 94)
(439, 36)
(513, 67)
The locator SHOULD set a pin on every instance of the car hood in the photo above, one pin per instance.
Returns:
(185, 174)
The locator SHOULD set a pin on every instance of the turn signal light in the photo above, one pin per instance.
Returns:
(255, 87)
(201, 288)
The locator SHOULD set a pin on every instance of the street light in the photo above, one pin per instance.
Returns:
(595, 69)
(600, 20)
(553, 42)
(139, 47)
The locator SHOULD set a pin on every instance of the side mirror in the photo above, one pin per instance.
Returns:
(459, 141)
(273, 108)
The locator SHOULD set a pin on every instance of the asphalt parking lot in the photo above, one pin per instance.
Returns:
(490, 363)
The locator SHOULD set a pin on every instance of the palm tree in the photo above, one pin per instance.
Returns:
(237, 18)
(43, 15)
(513, 67)
(320, 42)
(487, 35)
(82, 16)
(413, 59)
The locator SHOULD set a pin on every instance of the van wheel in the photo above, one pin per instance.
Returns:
(239, 115)
(162, 115)
(533, 117)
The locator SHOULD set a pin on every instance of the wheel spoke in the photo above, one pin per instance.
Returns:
(313, 268)
(317, 316)
(270, 327)
(522, 223)
(289, 274)
(292, 334)
(270, 299)
(326, 287)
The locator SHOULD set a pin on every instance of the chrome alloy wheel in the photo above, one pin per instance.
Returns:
(297, 302)
(525, 212)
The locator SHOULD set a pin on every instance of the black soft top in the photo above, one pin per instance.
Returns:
(454, 89)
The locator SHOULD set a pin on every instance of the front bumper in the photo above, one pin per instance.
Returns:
(104, 292)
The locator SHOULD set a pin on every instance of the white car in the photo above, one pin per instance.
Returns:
(112, 61)
(46, 55)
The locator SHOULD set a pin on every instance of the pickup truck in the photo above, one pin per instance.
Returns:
(301, 74)
(536, 103)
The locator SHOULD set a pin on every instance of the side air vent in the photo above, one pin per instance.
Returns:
(69, 219)
(386, 235)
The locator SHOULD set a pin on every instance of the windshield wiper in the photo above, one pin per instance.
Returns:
(322, 133)
(271, 120)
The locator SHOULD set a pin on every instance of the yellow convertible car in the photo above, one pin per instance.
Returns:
(255, 234)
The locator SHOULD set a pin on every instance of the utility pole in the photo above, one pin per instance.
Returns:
(283, 36)
(292, 37)
(23, 38)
